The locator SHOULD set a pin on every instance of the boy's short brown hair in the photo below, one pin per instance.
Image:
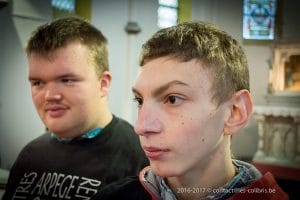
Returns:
(217, 50)
(59, 33)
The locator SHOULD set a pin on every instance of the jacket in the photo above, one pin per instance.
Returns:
(148, 186)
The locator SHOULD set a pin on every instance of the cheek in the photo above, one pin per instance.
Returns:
(189, 123)
(185, 120)
(197, 129)
(189, 129)
(91, 90)
(37, 99)
(85, 103)
(81, 103)
(79, 94)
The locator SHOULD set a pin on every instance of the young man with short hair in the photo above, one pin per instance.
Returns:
(86, 146)
(192, 93)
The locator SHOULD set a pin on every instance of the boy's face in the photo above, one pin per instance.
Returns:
(179, 125)
(65, 90)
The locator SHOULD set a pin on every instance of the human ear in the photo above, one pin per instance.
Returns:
(241, 110)
(105, 82)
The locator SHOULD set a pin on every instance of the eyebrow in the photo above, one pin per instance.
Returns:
(162, 88)
(68, 75)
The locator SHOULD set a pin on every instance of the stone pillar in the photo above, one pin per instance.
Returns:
(279, 135)
(297, 124)
(260, 153)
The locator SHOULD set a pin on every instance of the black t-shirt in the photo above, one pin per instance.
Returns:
(128, 188)
(50, 169)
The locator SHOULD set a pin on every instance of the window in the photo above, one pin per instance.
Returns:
(64, 5)
(259, 19)
(167, 13)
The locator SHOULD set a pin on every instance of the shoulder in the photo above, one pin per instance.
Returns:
(119, 123)
(24, 162)
(127, 188)
(35, 146)
(263, 188)
(119, 137)
(38, 142)
(121, 130)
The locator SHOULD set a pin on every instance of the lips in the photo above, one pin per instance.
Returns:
(56, 110)
(154, 152)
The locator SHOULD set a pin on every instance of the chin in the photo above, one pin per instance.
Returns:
(164, 170)
(58, 131)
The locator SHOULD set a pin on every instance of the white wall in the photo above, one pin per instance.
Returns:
(111, 18)
(19, 122)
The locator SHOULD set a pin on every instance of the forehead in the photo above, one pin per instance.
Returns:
(70, 52)
(160, 71)
(71, 58)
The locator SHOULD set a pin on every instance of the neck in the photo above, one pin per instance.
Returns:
(214, 172)
(102, 114)
(105, 117)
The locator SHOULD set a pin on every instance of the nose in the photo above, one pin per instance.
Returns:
(52, 93)
(148, 121)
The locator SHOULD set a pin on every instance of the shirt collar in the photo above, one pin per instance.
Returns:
(89, 135)
(245, 175)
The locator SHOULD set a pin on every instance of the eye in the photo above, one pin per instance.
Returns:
(67, 81)
(174, 100)
(36, 83)
(139, 101)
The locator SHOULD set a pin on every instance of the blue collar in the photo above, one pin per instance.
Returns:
(89, 135)
(93, 133)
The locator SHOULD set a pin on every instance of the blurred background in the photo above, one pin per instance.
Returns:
(272, 137)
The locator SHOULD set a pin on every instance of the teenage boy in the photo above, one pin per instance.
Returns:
(192, 93)
(86, 146)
